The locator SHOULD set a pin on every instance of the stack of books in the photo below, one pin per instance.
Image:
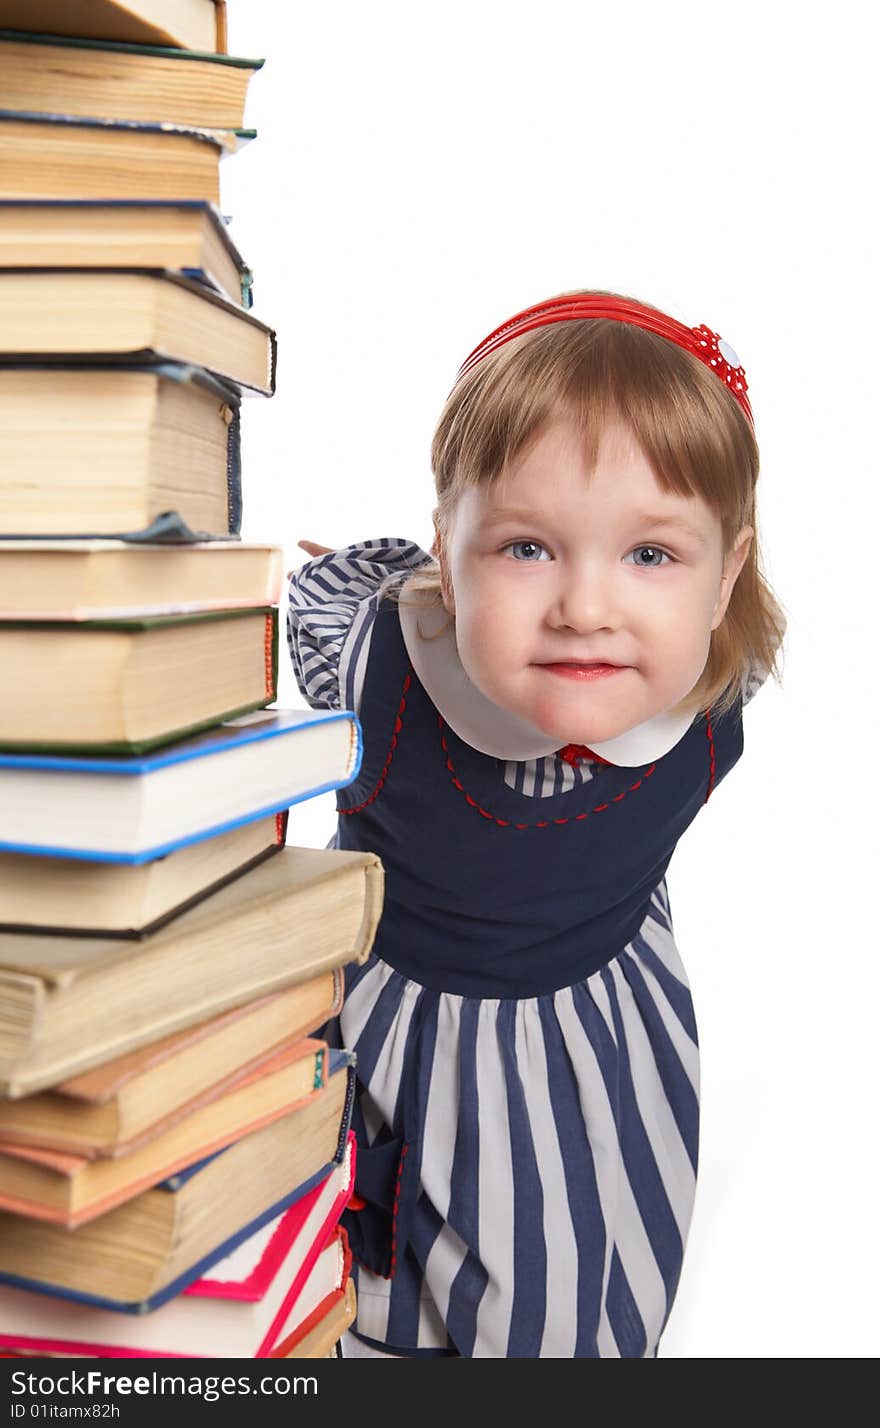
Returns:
(175, 1144)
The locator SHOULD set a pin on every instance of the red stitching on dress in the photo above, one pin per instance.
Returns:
(556, 822)
(711, 758)
(394, 1215)
(398, 725)
(502, 822)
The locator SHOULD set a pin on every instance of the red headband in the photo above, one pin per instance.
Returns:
(712, 350)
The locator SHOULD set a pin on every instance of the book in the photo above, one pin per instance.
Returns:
(139, 1256)
(67, 1003)
(80, 897)
(121, 1104)
(64, 156)
(135, 317)
(209, 1330)
(286, 1248)
(193, 24)
(108, 79)
(132, 685)
(189, 237)
(272, 1282)
(325, 1325)
(118, 448)
(71, 1190)
(111, 580)
(136, 809)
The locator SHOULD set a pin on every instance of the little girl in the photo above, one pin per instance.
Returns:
(536, 741)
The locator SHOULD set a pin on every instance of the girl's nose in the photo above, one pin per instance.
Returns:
(587, 600)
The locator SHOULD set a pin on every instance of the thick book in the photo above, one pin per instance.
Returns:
(107, 79)
(131, 1099)
(139, 1256)
(189, 237)
(119, 447)
(213, 1330)
(140, 808)
(63, 156)
(71, 1189)
(132, 685)
(193, 24)
(81, 897)
(109, 314)
(120, 580)
(67, 1003)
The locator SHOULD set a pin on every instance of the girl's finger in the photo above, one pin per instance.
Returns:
(313, 548)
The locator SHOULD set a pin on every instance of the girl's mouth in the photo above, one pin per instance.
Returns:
(584, 671)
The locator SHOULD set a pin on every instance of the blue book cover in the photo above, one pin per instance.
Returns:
(260, 726)
(342, 1063)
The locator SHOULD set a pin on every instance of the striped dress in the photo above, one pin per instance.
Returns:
(557, 1131)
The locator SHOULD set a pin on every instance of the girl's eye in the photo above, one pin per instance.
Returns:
(652, 551)
(526, 545)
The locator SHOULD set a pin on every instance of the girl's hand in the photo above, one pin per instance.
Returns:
(313, 549)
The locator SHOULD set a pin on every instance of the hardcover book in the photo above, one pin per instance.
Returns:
(107, 79)
(131, 1099)
(81, 897)
(132, 685)
(119, 447)
(189, 237)
(315, 1336)
(71, 1190)
(64, 156)
(67, 1004)
(139, 808)
(194, 24)
(306, 1314)
(139, 1256)
(104, 315)
(120, 580)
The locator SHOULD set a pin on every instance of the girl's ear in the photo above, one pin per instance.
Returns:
(733, 564)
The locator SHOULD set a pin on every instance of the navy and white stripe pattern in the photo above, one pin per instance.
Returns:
(547, 776)
(752, 680)
(333, 603)
(560, 1156)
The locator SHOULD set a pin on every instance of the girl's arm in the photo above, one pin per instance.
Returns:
(334, 599)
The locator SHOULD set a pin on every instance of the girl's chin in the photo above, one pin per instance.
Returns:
(591, 737)
(589, 731)
(594, 732)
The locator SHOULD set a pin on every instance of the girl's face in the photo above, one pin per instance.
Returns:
(555, 565)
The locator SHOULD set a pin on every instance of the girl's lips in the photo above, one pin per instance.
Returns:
(584, 671)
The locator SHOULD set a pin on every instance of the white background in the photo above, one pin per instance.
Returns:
(421, 173)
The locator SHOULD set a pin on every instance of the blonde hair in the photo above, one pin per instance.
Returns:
(691, 429)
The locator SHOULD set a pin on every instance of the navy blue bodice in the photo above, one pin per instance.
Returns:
(490, 892)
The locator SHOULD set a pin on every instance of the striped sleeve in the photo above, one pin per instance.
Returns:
(333, 601)
(752, 680)
(756, 674)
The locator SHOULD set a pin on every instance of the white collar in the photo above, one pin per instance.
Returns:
(493, 730)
